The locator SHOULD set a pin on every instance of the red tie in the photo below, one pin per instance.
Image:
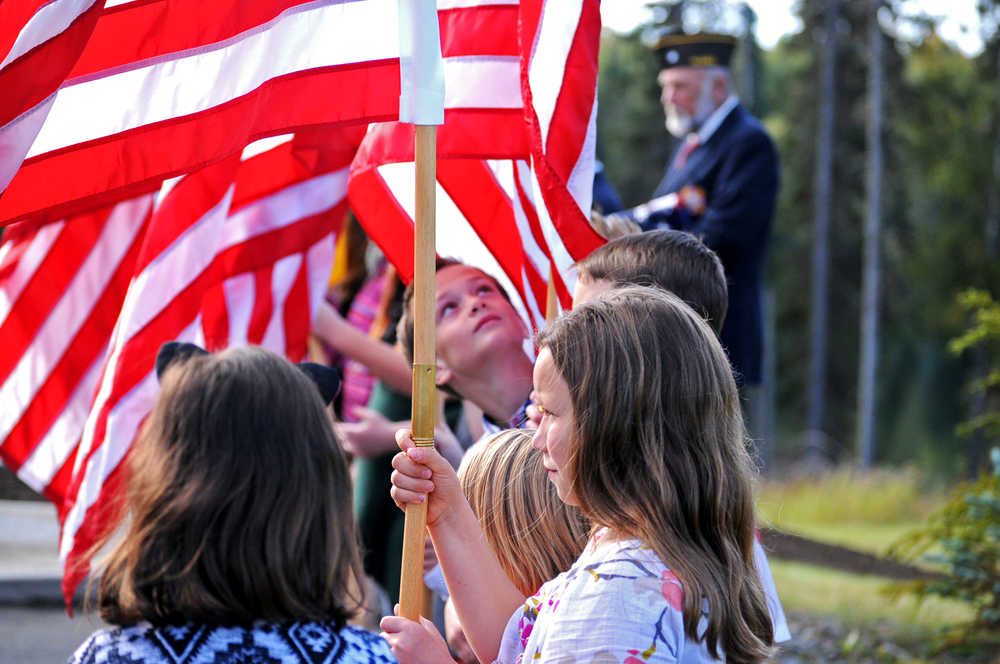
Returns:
(690, 143)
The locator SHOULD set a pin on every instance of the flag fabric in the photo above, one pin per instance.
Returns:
(235, 253)
(515, 153)
(39, 44)
(191, 173)
(165, 87)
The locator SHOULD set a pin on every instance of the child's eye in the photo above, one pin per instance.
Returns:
(484, 289)
(446, 308)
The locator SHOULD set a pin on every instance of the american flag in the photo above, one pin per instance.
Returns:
(515, 168)
(156, 204)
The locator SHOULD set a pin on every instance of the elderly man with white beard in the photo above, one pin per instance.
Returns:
(722, 183)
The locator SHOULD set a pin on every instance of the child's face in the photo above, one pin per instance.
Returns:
(473, 319)
(555, 430)
(587, 289)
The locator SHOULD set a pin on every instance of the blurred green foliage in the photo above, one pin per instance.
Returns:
(940, 138)
(963, 538)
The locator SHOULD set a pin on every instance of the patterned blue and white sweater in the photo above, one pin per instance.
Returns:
(261, 643)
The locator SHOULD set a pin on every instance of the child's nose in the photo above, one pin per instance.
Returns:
(538, 440)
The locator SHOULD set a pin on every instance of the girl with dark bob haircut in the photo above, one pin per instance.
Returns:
(239, 543)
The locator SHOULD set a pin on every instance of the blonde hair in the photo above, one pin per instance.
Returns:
(659, 453)
(534, 534)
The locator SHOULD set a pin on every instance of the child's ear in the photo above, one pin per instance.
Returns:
(442, 374)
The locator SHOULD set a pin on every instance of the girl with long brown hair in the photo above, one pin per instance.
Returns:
(238, 541)
(641, 428)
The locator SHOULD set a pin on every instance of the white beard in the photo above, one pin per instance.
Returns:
(680, 124)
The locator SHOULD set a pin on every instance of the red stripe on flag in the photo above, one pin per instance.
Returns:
(383, 219)
(296, 324)
(263, 305)
(215, 319)
(484, 30)
(185, 205)
(95, 173)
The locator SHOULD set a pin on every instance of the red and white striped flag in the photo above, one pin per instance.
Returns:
(96, 272)
(238, 252)
(165, 87)
(515, 153)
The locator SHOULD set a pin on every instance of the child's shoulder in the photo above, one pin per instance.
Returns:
(145, 643)
(105, 645)
(622, 575)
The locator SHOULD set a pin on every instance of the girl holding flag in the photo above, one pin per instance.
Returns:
(641, 428)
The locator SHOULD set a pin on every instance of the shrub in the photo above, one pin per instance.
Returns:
(963, 539)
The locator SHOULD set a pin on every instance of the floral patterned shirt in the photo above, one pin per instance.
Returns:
(617, 604)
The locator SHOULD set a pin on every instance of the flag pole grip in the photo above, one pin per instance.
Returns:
(411, 585)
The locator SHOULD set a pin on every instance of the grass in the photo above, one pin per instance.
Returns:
(867, 511)
(860, 599)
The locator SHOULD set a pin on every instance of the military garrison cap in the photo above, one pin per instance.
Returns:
(698, 50)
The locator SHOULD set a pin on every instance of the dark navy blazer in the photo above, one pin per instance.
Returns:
(737, 167)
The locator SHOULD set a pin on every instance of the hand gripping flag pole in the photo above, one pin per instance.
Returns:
(423, 105)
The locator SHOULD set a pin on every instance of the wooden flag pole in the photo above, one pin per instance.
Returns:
(551, 301)
(411, 584)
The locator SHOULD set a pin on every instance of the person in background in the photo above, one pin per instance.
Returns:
(722, 183)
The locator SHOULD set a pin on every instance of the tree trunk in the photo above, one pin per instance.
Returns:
(868, 364)
(815, 450)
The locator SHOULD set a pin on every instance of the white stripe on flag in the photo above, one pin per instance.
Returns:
(239, 293)
(319, 261)
(548, 57)
(17, 136)
(282, 278)
(465, 76)
(184, 83)
(581, 180)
